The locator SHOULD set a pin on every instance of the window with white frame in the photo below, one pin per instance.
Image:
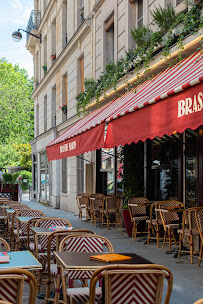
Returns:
(64, 175)
(80, 173)
(139, 13)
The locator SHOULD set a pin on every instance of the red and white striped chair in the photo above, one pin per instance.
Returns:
(82, 243)
(4, 246)
(154, 224)
(137, 213)
(51, 266)
(199, 220)
(42, 240)
(12, 281)
(132, 284)
(23, 227)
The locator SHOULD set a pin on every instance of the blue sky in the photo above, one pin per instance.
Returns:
(15, 14)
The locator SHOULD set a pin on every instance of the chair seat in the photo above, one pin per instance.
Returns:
(155, 222)
(140, 218)
(172, 226)
(82, 294)
(32, 246)
(187, 232)
(15, 231)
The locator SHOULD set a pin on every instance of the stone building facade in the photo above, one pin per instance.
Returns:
(78, 38)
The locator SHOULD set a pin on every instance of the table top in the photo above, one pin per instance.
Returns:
(10, 210)
(24, 219)
(4, 206)
(81, 260)
(22, 259)
(46, 231)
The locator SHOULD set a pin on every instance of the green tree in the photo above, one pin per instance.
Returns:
(16, 115)
(16, 106)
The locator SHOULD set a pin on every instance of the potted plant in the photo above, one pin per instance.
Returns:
(53, 57)
(126, 218)
(45, 68)
(64, 108)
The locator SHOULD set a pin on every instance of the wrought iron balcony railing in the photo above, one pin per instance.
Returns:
(34, 21)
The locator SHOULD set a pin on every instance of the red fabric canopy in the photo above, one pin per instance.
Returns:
(176, 113)
(90, 140)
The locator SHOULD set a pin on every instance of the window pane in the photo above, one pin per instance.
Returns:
(42, 160)
(42, 184)
(64, 175)
(191, 167)
(80, 173)
(140, 9)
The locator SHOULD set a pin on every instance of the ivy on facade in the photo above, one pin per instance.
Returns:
(148, 44)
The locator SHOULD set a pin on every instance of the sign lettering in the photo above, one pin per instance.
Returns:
(190, 105)
(68, 147)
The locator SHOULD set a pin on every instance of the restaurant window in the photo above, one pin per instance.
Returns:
(64, 175)
(80, 173)
(119, 186)
(191, 168)
(109, 29)
(139, 13)
(108, 170)
(165, 160)
(35, 172)
(44, 176)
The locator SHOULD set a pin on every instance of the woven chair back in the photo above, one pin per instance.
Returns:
(124, 282)
(49, 222)
(29, 212)
(12, 281)
(98, 202)
(82, 199)
(137, 210)
(112, 203)
(199, 220)
(4, 246)
(170, 217)
(10, 203)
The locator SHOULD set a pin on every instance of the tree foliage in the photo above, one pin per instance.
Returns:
(16, 115)
(16, 106)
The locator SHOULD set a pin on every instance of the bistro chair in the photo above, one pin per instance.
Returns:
(110, 208)
(12, 281)
(4, 246)
(5, 302)
(154, 224)
(200, 301)
(188, 231)
(170, 221)
(83, 203)
(137, 213)
(41, 241)
(199, 220)
(22, 233)
(30, 236)
(81, 243)
(11, 220)
(2, 222)
(96, 202)
(132, 284)
(55, 238)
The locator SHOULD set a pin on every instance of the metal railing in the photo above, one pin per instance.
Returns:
(34, 22)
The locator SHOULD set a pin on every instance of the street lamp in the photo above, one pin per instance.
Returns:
(17, 36)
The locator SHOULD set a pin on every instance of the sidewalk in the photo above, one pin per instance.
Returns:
(188, 278)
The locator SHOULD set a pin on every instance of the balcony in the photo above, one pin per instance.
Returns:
(33, 23)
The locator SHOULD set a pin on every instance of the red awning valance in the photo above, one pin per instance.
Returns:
(171, 101)
(177, 113)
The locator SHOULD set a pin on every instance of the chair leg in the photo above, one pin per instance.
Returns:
(191, 249)
(180, 245)
(39, 281)
(107, 219)
(200, 255)
(157, 235)
(165, 232)
(102, 224)
(169, 239)
(135, 231)
(148, 234)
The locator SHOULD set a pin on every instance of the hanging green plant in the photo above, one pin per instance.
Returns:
(164, 17)
(172, 29)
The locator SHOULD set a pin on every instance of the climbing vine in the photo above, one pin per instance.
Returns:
(147, 44)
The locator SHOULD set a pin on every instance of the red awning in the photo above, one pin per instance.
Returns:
(149, 114)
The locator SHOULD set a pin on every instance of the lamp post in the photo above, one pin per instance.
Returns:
(17, 36)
